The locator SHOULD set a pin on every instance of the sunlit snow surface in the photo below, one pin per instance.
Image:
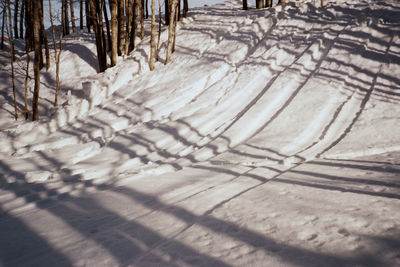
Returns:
(271, 139)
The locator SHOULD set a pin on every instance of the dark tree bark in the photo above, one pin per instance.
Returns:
(107, 25)
(259, 4)
(66, 17)
(81, 14)
(128, 24)
(36, 65)
(71, 5)
(179, 10)
(166, 11)
(121, 24)
(142, 19)
(132, 41)
(245, 5)
(16, 8)
(114, 31)
(96, 19)
(21, 20)
(147, 9)
(87, 11)
(268, 3)
(2, 27)
(185, 8)
(28, 25)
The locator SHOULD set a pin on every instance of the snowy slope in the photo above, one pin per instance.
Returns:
(258, 114)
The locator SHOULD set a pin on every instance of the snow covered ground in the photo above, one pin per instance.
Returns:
(272, 139)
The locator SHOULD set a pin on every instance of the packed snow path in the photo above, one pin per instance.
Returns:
(258, 144)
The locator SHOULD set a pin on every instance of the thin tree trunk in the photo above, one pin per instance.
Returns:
(121, 24)
(244, 4)
(179, 10)
(2, 27)
(268, 3)
(16, 8)
(259, 4)
(166, 9)
(28, 25)
(153, 36)
(147, 9)
(185, 8)
(107, 25)
(66, 17)
(132, 42)
(87, 11)
(36, 67)
(81, 14)
(28, 60)
(128, 5)
(114, 31)
(175, 25)
(102, 34)
(12, 58)
(56, 55)
(21, 20)
(71, 5)
(44, 36)
(142, 19)
(281, 2)
(170, 30)
(94, 11)
(159, 30)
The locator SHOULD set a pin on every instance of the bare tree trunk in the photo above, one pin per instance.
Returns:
(12, 58)
(178, 10)
(28, 49)
(185, 8)
(44, 36)
(114, 32)
(142, 19)
(281, 2)
(128, 12)
(153, 36)
(171, 30)
(66, 17)
(175, 24)
(107, 25)
(132, 42)
(259, 4)
(16, 8)
(147, 9)
(2, 27)
(28, 25)
(71, 5)
(21, 20)
(95, 13)
(245, 5)
(121, 24)
(81, 14)
(268, 3)
(36, 67)
(87, 11)
(166, 9)
(159, 30)
(56, 55)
